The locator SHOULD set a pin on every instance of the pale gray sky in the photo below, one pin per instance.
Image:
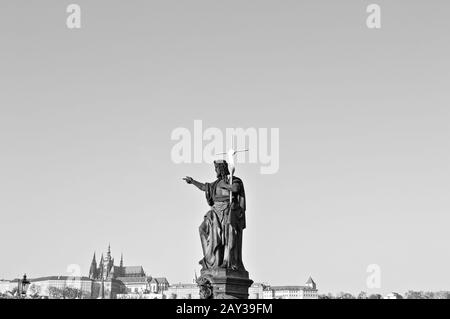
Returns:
(86, 117)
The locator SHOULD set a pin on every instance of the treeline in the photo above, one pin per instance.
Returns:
(34, 292)
(67, 293)
(411, 294)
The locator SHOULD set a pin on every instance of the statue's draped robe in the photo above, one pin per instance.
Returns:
(221, 230)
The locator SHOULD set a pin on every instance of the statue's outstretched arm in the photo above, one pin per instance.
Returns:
(197, 184)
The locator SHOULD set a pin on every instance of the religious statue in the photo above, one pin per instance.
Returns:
(222, 227)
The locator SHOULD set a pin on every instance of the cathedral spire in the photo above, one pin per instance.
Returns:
(100, 267)
(93, 269)
(121, 260)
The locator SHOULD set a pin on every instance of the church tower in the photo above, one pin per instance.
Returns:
(93, 269)
(101, 268)
(108, 254)
(105, 268)
(107, 264)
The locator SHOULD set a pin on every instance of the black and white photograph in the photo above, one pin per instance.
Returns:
(263, 153)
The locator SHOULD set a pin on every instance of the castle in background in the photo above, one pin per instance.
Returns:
(114, 280)
(107, 270)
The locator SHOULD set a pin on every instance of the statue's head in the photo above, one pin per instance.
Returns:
(221, 169)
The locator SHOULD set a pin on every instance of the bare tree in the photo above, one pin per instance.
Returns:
(55, 292)
(362, 295)
(34, 291)
(414, 295)
(345, 295)
(71, 293)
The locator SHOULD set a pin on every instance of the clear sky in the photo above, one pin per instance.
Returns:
(86, 118)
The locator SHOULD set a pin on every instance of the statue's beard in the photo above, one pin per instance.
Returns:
(222, 176)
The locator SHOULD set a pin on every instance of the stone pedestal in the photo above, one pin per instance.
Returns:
(223, 283)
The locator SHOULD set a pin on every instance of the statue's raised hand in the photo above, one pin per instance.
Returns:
(188, 179)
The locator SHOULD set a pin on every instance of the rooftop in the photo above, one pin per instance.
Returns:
(67, 278)
(310, 281)
(278, 288)
(133, 271)
(141, 279)
(180, 285)
(160, 280)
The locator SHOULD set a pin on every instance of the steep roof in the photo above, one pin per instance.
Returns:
(127, 280)
(160, 280)
(310, 281)
(133, 271)
(279, 288)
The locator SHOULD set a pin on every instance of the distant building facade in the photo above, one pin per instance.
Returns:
(158, 285)
(256, 291)
(44, 285)
(308, 291)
